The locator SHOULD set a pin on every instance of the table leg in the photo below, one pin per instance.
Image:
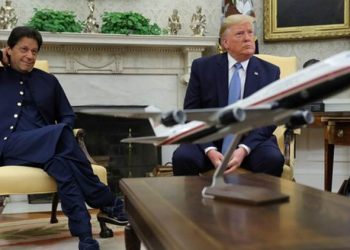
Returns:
(132, 242)
(328, 165)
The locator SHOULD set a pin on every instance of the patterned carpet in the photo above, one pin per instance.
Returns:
(40, 234)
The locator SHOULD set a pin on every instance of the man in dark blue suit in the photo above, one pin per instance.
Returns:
(209, 87)
(36, 129)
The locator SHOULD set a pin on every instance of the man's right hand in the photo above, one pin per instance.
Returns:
(5, 60)
(215, 157)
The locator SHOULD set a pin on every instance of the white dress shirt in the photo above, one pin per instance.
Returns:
(242, 75)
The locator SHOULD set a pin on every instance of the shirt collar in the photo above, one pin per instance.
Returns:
(232, 61)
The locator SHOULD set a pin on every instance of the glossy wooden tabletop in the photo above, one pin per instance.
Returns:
(170, 213)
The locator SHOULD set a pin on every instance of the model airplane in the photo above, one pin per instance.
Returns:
(277, 103)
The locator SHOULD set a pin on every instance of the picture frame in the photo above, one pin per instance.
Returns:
(301, 20)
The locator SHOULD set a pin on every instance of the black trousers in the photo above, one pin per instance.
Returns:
(54, 149)
(190, 159)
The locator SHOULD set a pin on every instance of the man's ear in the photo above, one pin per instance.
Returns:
(8, 51)
(223, 43)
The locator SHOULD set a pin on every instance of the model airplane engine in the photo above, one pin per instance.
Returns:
(299, 119)
(172, 118)
(230, 116)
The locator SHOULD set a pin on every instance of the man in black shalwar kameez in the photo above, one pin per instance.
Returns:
(36, 129)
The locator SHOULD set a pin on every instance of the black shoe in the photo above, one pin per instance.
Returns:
(104, 217)
(89, 244)
(114, 214)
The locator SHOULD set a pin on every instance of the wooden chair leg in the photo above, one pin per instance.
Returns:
(2, 200)
(54, 208)
(132, 242)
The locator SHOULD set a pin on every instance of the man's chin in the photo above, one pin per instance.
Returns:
(249, 51)
(26, 69)
(249, 54)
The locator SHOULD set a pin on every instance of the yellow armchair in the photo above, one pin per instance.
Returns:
(287, 64)
(285, 138)
(31, 180)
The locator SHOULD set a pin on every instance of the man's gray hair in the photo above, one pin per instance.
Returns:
(235, 19)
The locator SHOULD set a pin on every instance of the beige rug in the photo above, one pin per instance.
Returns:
(40, 234)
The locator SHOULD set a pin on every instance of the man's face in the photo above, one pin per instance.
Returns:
(23, 54)
(238, 40)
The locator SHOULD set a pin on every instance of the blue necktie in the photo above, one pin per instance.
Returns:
(234, 94)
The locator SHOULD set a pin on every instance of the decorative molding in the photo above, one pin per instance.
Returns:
(120, 54)
(119, 40)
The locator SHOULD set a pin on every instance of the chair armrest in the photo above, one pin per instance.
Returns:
(80, 135)
(289, 142)
(297, 131)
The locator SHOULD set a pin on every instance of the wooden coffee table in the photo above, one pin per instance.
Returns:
(170, 213)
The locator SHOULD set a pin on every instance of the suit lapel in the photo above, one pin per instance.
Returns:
(222, 76)
(252, 78)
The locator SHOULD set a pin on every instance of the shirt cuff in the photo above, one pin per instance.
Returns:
(245, 147)
(206, 150)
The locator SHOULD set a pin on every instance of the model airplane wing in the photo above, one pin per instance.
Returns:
(166, 135)
(142, 112)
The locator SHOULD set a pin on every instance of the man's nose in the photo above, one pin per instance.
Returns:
(248, 36)
(30, 54)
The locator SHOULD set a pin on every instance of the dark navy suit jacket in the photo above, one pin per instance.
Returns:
(47, 94)
(208, 88)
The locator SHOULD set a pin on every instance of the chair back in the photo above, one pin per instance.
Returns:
(287, 65)
(42, 64)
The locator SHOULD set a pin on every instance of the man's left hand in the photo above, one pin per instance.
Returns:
(236, 160)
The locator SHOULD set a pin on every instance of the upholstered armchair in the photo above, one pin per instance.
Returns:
(31, 180)
(285, 137)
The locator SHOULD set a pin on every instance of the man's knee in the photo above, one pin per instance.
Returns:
(276, 161)
(270, 162)
(187, 160)
(181, 161)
